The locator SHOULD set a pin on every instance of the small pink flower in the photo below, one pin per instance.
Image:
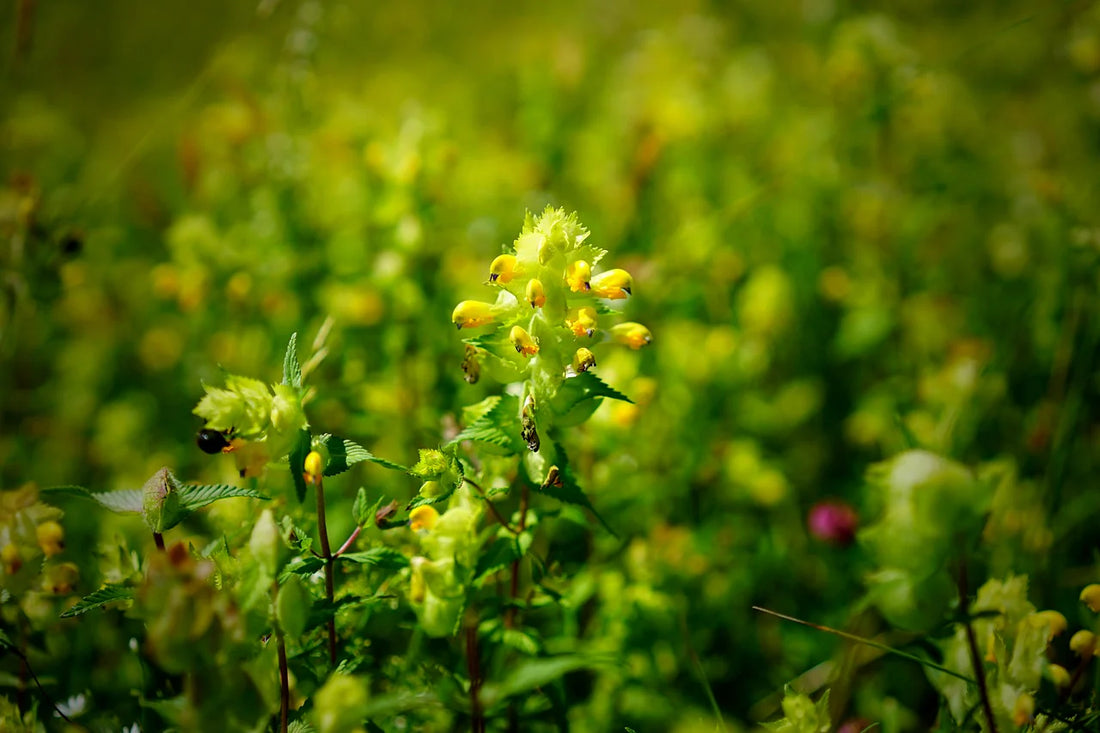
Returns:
(833, 521)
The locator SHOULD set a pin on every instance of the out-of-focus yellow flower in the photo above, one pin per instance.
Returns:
(613, 284)
(582, 321)
(578, 275)
(60, 578)
(1059, 675)
(631, 334)
(11, 559)
(1024, 710)
(1053, 620)
(423, 517)
(536, 294)
(51, 537)
(522, 341)
(583, 360)
(471, 314)
(503, 269)
(1090, 596)
(1083, 643)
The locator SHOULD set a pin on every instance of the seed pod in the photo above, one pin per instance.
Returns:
(471, 314)
(523, 342)
(578, 276)
(536, 294)
(613, 284)
(471, 367)
(503, 269)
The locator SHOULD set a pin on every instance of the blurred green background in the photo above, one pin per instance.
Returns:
(852, 229)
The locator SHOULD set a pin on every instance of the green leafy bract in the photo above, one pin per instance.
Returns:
(292, 370)
(499, 427)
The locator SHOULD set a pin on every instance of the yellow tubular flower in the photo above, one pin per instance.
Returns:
(631, 334)
(11, 559)
(583, 360)
(423, 517)
(536, 295)
(314, 465)
(1059, 675)
(523, 342)
(503, 269)
(51, 538)
(1054, 621)
(578, 275)
(471, 314)
(613, 284)
(582, 321)
(1090, 596)
(1024, 710)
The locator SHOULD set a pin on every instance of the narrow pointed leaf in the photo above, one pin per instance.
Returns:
(385, 558)
(292, 370)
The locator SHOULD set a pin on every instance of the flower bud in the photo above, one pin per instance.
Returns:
(613, 284)
(578, 276)
(1090, 596)
(1083, 643)
(1054, 621)
(536, 294)
(523, 342)
(471, 314)
(631, 334)
(834, 522)
(582, 321)
(51, 537)
(583, 360)
(503, 269)
(1059, 675)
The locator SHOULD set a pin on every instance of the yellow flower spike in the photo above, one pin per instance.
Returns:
(631, 334)
(1024, 710)
(1083, 643)
(503, 269)
(583, 360)
(1090, 596)
(613, 284)
(523, 342)
(471, 314)
(536, 294)
(315, 466)
(51, 538)
(423, 517)
(1059, 675)
(578, 275)
(582, 321)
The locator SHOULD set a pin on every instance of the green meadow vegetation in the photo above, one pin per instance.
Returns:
(673, 367)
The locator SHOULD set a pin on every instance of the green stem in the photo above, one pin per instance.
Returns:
(510, 615)
(473, 667)
(284, 683)
(972, 646)
(326, 553)
(868, 642)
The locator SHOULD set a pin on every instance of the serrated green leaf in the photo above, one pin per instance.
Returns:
(499, 426)
(584, 386)
(292, 370)
(297, 462)
(301, 566)
(300, 726)
(534, 673)
(343, 454)
(103, 596)
(360, 508)
(124, 501)
(196, 496)
(501, 553)
(384, 558)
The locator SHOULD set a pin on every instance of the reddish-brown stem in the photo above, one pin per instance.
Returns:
(158, 538)
(326, 554)
(510, 614)
(492, 508)
(344, 547)
(972, 645)
(473, 667)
